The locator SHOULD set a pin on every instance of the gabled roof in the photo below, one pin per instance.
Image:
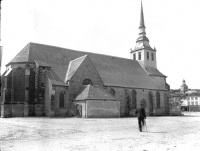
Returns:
(73, 66)
(23, 55)
(114, 71)
(90, 92)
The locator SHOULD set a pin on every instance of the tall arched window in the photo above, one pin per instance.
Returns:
(61, 100)
(87, 82)
(19, 85)
(157, 99)
(134, 99)
(151, 102)
(52, 102)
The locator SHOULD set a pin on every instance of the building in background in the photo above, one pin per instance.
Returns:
(186, 99)
(43, 80)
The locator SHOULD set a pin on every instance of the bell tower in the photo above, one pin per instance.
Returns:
(143, 52)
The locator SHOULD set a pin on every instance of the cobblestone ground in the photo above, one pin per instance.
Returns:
(177, 133)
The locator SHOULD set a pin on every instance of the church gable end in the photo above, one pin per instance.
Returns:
(85, 70)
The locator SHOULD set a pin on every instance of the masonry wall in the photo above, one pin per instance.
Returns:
(82, 108)
(123, 94)
(102, 108)
(48, 93)
(62, 111)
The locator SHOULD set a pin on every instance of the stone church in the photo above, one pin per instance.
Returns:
(43, 80)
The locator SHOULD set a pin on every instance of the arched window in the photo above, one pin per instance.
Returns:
(134, 99)
(112, 91)
(52, 102)
(87, 82)
(157, 99)
(61, 100)
(151, 102)
(19, 85)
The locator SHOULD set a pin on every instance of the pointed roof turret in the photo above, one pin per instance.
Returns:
(142, 18)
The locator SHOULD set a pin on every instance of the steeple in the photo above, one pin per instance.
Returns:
(141, 17)
(143, 52)
(184, 86)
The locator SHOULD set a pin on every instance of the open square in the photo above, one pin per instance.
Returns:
(111, 134)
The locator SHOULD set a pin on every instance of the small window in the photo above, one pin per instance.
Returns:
(188, 102)
(192, 98)
(139, 56)
(152, 56)
(134, 56)
(196, 102)
(87, 82)
(147, 55)
(196, 98)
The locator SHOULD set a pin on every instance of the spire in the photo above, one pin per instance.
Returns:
(142, 41)
(141, 17)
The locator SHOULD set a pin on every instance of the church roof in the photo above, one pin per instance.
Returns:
(114, 71)
(54, 79)
(90, 92)
(154, 72)
(73, 66)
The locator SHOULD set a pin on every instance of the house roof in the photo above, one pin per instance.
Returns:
(90, 92)
(114, 71)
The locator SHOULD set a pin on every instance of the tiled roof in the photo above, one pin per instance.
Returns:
(54, 79)
(90, 92)
(114, 71)
(155, 72)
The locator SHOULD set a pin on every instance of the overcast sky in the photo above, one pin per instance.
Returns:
(109, 27)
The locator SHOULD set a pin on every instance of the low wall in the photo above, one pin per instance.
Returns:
(6, 110)
(31, 110)
(39, 110)
(102, 109)
(60, 112)
(17, 110)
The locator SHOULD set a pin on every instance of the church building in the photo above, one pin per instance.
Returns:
(44, 80)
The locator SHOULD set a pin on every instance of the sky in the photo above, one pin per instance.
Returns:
(109, 27)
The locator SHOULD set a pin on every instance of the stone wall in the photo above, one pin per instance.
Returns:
(6, 110)
(102, 108)
(17, 110)
(122, 94)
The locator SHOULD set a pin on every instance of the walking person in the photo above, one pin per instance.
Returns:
(141, 114)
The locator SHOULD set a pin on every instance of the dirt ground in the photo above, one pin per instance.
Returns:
(176, 133)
